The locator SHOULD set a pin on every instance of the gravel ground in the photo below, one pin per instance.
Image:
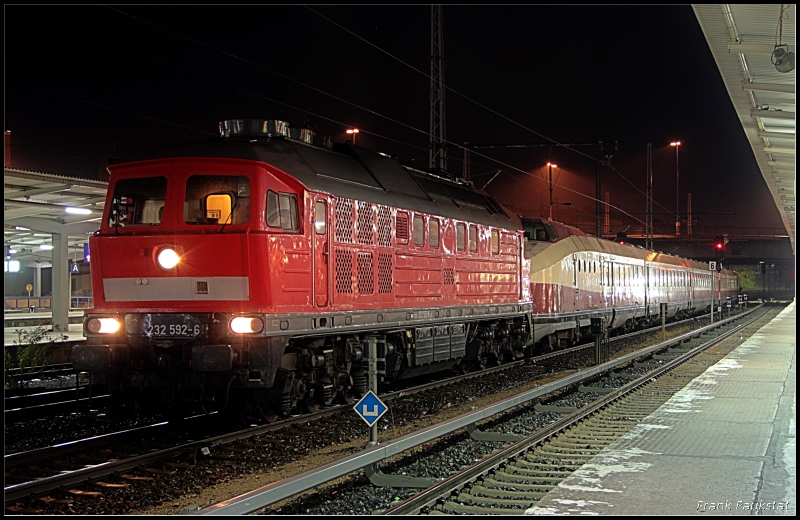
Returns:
(211, 481)
(40, 433)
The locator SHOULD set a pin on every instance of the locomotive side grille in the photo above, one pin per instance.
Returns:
(344, 271)
(384, 273)
(402, 226)
(449, 276)
(365, 274)
(384, 227)
(366, 217)
(344, 220)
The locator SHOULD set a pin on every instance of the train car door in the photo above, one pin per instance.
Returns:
(646, 276)
(321, 252)
(576, 297)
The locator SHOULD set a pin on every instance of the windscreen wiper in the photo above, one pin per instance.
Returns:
(230, 215)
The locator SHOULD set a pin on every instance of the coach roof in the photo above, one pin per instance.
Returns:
(351, 172)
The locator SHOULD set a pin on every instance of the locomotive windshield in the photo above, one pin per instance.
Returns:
(138, 202)
(217, 199)
(537, 231)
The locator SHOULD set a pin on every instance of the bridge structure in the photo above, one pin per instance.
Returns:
(740, 245)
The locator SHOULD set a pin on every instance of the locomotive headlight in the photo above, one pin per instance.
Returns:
(246, 325)
(168, 258)
(102, 325)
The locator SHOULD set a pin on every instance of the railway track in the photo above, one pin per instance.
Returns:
(92, 462)
(517, 477)
(345, 494)
(29, 403)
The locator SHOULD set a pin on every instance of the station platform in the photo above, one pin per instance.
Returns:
(11, 336)
(723, 445)
(13, 318)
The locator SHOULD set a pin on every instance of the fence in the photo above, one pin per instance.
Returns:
(24, 303)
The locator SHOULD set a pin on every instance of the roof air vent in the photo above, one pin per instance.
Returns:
(253, 128)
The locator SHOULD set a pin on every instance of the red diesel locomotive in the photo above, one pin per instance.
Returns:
(251, 268)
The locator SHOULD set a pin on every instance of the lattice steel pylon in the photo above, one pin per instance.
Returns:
(648, 219)
(437, 157)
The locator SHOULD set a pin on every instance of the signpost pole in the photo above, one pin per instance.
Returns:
(663, 322)
(372, 347)
(713, 268)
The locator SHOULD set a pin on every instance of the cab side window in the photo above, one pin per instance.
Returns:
(461, 242)
(282, 211)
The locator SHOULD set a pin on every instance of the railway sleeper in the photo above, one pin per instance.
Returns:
(490, 482)
(469, 498)
(526, 478)
(503, 494)
(542, 478)
(451, 507)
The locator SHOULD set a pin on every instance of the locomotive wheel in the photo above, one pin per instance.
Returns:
(311, 406)
(345, 398)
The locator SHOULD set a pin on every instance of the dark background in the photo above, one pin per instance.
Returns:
(87, 83)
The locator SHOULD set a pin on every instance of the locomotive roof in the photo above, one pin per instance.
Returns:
(350, 171)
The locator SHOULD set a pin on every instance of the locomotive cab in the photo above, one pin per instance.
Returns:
(179, 303)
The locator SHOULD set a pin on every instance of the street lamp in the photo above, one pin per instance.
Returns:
(550, 166)
(677, 145)
(353, 131)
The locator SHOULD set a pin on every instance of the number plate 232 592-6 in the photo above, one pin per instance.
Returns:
(172, 327)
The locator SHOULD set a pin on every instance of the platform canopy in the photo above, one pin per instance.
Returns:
(743, 40)
(37, 205)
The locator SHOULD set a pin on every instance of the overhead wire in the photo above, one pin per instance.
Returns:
(555, 143)
(250, 62)
(235, 87)
(128, 112)
(346, 101)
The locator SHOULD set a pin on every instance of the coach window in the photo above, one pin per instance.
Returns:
(495, 242)
(418, 231)
(473, 239)
(282, 211)
(461, 239)
(433, 233)
(217, 199)
(319, 217)
(138, 202)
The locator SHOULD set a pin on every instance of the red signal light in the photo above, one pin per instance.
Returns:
(719, 245)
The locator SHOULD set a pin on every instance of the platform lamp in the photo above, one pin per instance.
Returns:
(353, 132)
(677, 145)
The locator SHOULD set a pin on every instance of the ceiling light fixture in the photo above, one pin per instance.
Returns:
(78, 211)
(781, 57)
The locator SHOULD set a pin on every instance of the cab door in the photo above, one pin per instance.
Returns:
(321, 252)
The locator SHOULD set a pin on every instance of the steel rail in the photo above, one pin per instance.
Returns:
(276, 491)
(15, 492)
(451, 484)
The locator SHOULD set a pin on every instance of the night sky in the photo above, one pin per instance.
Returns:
(86, 83)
